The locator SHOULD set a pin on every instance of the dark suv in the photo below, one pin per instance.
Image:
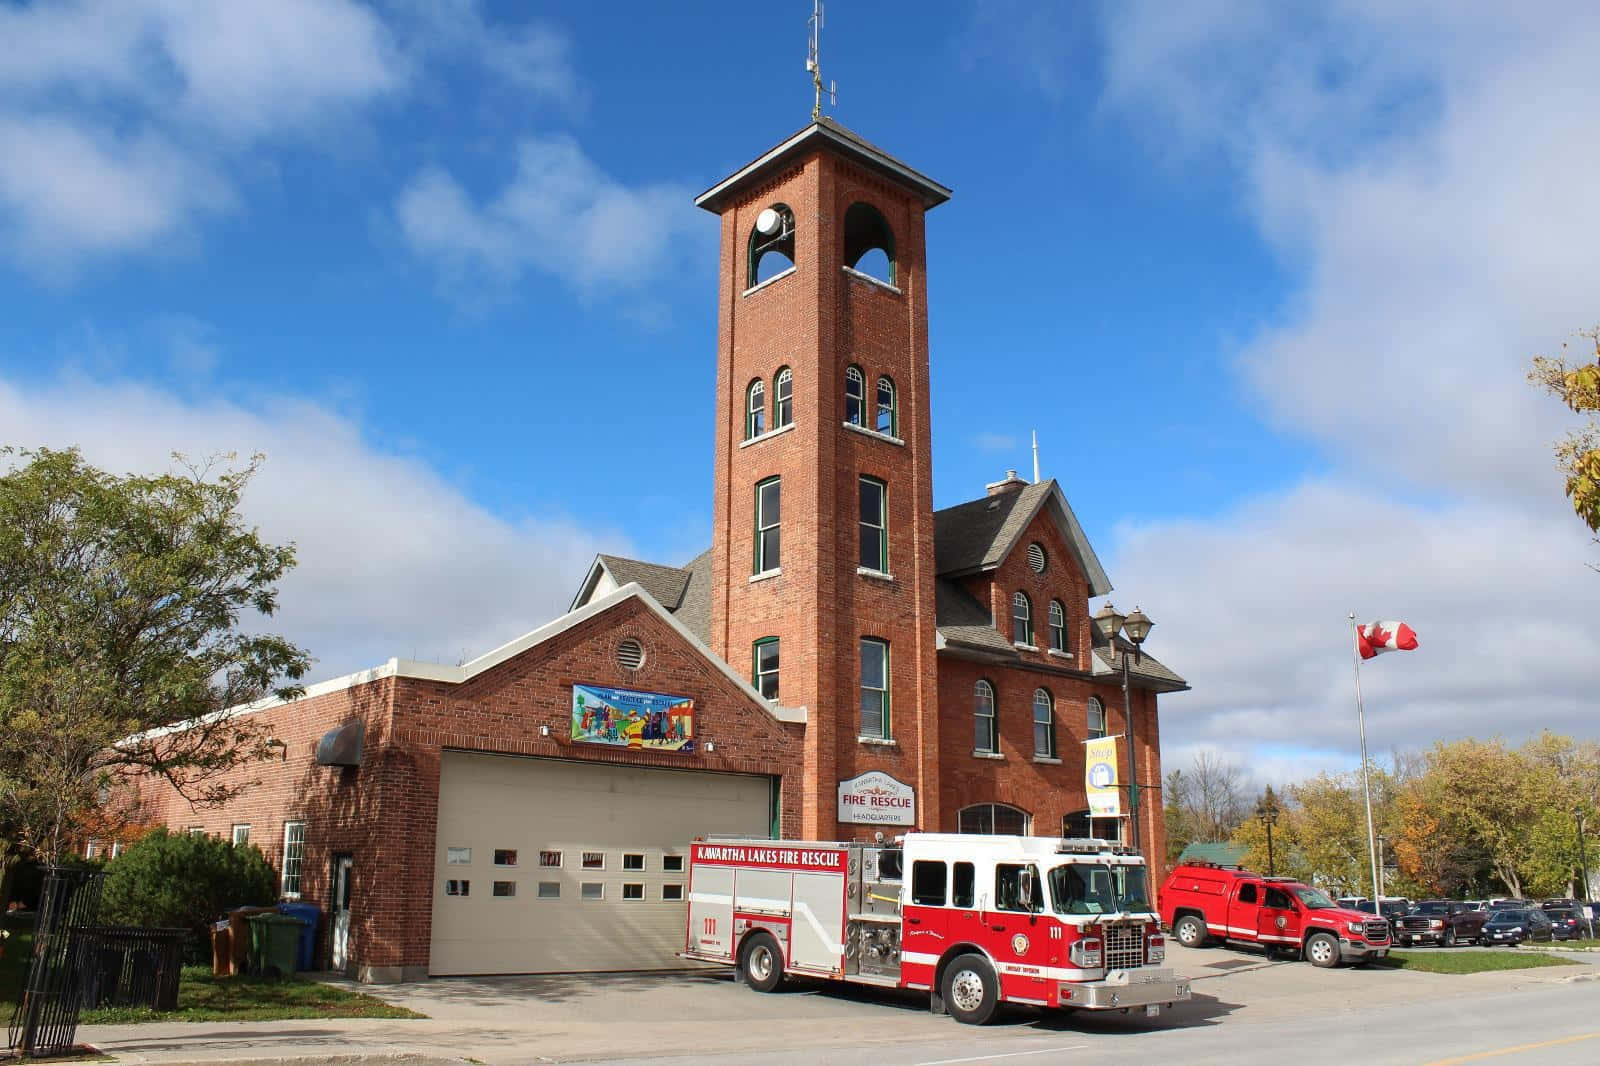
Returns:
(1391, 909)
(1514, 925)
(1567, 923)
(1445, 922)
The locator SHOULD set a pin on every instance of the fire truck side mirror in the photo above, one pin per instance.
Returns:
(1025, 886)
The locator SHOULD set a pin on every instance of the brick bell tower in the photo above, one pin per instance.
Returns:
(822, 557)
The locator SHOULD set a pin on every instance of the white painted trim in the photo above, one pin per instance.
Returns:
(758, 286)
(768, 435)
(876, 575)
(1047, 760)
(874, 434)
(882, 742)
(1058, 653)
(766, 575)
(1024, 647)
(976, 754)
(879, 282)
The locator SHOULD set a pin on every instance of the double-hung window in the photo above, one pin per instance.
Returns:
(1021, 619)
(783, 398)
(855, 390)
(1097, 718)
(875, 688)
(766, 667)
(755, 410)
(888, 416)
(1044, 725)
(294, 853)
(1058, 626)
(987, 738)
(769, 508)
(874, 525)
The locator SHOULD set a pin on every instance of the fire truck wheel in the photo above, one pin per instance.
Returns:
(970, 990)
(1191, 932)
(762, 962)
(1322, 950)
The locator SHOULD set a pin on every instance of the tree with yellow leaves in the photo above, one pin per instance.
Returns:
(1577, 384)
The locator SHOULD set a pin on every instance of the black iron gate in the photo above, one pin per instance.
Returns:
(45, 1021)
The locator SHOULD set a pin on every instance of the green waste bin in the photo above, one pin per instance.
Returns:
(274, 944)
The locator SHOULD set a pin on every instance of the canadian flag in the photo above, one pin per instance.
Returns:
(1375, 638)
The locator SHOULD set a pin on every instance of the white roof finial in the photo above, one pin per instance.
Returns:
(1035, 457)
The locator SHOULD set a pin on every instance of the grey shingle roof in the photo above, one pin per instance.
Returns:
(694, 610)
(1145, 671)
(963, 620)
(979, 534)
(665, 584)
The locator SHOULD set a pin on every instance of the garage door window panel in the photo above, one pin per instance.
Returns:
(633, 862)
(549, 889)
(594, 860)
(592, 890)
(671, 893)
(457, 887)
(633, 891)
(505, 856)
(504, 889)
(672, 864)
(550, 860)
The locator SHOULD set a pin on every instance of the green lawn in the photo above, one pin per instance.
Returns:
(1470, 961)
(14, 954)
(204, 998)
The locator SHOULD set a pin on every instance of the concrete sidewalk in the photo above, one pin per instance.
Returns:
(508, 1020)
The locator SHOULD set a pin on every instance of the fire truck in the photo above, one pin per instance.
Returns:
(975, 921)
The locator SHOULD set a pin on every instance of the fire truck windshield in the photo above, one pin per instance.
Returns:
(1095, 888)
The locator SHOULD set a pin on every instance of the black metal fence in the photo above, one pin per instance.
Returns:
(45, 1021)
(130, 966)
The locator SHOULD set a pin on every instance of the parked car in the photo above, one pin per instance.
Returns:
(1568, 923)
(1511, 925)
(1563, 902)
(1476, 904)
(1392, 909)
(1441, 921)
(1512, 904)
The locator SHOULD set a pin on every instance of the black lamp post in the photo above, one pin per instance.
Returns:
(1583, 856)
(1267, 811)
(1109, 621)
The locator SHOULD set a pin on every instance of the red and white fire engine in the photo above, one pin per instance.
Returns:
(974, 920)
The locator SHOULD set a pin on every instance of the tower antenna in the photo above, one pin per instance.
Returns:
(1035, 457)
(814, 62)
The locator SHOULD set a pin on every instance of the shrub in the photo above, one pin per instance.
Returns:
(184, 881)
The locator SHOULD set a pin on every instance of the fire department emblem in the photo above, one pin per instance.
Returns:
(1019, 944)
(1283, 922)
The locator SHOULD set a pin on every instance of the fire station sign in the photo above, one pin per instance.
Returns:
(1100, 777)
(877, 799)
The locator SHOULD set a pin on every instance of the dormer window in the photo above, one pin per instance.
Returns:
(783, 398)
(755, 410)
(855, 391)
(887, 415)
(771, 249)
(869, 243)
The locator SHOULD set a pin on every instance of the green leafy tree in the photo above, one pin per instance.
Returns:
(121, 603)
(1577, 384)
(184, 881)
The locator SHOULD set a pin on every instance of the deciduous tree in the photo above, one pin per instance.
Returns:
(1576, 381)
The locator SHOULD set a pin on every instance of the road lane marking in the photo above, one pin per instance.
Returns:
(1006, 1055)
(1513, 1050)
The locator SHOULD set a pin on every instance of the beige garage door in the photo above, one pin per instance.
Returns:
(546, 866)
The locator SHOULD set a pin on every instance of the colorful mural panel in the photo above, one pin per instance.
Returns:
(623, 718)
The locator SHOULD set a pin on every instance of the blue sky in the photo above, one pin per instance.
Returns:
(1265, 283)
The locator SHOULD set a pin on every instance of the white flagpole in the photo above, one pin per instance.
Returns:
(1366, 786)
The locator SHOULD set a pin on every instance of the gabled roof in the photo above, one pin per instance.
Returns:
(978, 535)
(825, 132)
(965, 622)
(1144, 671)
(665, 583)
(694, 609)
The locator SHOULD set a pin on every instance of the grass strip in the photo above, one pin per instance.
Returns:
(203, 997)
(1470, 961)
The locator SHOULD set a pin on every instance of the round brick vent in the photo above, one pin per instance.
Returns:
(1036, 557)
(630, 654)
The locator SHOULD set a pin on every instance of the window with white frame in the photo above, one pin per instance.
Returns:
(769, 510)
(294, 853)
(1097, 718)
(1044, 724)
(1058, 626)
(855, 392)
(755, 409)
(1021, 619)
(875, 688)
(783, 398)
(987, 737)
(241, 834)
(874, 522)
(765, 667)
(888, 415)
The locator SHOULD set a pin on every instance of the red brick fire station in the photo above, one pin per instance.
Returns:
(842, 660)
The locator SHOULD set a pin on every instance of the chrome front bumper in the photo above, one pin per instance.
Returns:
(1125, 988)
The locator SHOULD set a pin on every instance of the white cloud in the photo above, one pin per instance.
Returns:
(393, 560)
(1422, 169)
(560, 214)
(531, 57)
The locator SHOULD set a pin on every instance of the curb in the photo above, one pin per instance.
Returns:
(375, 1058)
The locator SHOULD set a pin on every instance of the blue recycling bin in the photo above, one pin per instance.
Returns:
(310, 914)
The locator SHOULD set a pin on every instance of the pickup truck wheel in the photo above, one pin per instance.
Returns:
(1449, 940)
(1322, 950)
(970, 989)
(762, 962)
(1191, 932)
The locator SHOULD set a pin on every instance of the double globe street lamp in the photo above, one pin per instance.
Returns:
(1136, 626)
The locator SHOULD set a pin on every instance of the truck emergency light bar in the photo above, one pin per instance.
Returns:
(1090, 845)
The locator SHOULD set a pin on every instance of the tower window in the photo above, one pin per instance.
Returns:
(887, 415)
(1097, 718)
(766, 667)
(1044, 724)
(783, 398)
(769, 499)
(1021, 619)
(855, 391)
(771, 249)
(755, 409)
(874, 525)
(875, 688)
(1058, 626)
(868, 243)
(987, 736)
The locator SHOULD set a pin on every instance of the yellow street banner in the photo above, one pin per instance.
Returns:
(1100, 777)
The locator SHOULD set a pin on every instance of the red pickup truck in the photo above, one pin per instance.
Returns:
(1202, 902)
